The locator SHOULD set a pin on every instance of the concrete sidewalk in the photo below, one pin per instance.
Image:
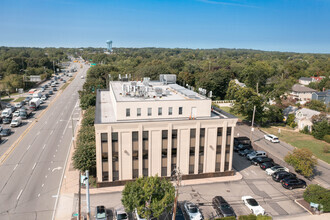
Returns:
(324, 216)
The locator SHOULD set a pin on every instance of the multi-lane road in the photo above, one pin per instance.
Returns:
(32, 171)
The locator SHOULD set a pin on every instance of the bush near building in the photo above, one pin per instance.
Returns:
(84, 157)
(253, 217)
(302, 160)
(317, 194)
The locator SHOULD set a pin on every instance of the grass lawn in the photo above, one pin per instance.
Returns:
(227, 109)
(64, 86)
(19, 99)
(300, 140)
(7, 100)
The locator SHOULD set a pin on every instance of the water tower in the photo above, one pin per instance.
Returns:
(109, 43)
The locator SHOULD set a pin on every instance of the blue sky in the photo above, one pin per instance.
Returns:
(280, 25)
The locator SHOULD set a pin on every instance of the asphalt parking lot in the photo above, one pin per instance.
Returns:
(277, 201)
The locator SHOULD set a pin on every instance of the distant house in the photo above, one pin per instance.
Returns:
(322, 96)
(289, 110)
(301, 93)
(239, 83)
(304, 118)
(305, 80)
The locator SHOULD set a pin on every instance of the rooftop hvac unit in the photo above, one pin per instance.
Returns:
(133, 83)
(167, 78)
(159, 91)
(146, 81)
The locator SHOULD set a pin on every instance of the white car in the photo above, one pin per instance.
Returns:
(253, 205)
(16, 114)
(271, 138)
(270, 171)
(192, 211)
(16, 122)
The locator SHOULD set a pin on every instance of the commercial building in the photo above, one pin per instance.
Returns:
(148, 128)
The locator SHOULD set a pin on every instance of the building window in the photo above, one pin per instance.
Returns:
(180, 110)
(227, 157)
(115, 163)
(149, 111)
(135, 153)
(192, 150)
(170, 110)
(104, 150)
(174, 149)
(218, 150)
(164, 152)
(138, 112)
(128, 112)
(160, 111)
(145, 153)
(201, 150)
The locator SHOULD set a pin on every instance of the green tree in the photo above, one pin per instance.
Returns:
(290, 119)
(302, 160)
(151, 196)
(87, 100)
(320, 129)
(317, 194)
(317, 105)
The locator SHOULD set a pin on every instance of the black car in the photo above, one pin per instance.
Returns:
(266, 165)
(6, 120)
(278, 176)
(50, 92)
(245, 152)
(54, 89)
(5, 132)
(221, 207)
(293, 182)
(259, 160)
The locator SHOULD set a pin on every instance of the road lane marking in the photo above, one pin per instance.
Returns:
(57, 168)
(48, 168)
(54, 155)
(46, 176)
(34, 166)
(39, 195)
(44, 146)
(42, 185)
(38, 133)
(15, 167)
(51, 132)
(254, 172)
(19, 195)
(28, 147)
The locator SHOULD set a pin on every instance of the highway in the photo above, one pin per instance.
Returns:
(32, 173)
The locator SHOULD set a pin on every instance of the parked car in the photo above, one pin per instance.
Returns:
(54, 89)
(242, 147)
(137, 217)
(245, 152)
(293, 182)
(16, 122)
(43, 98)
(8, 105)
(101, 213)
(0, 128)
(16, 114)
(271, 138)
(64, 81)
(267, 165)
(27, 99)
(50, 92)
(5, 132)
(192, 211)
(18, 105)
(258, 160)
(274, 169)
(82, 77)
(253, 205)
(256, 154)
(222, 208)
(179, 214)
(6, 120)
(120, 214)
(278, 176)
(46, 86)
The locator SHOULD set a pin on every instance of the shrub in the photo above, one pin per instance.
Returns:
(305, 130)
(320, 129)
(318, 194)
(253, 217)
(327, 138)
(226, 218)
(302, 160)
(326, 149)
(290, 119)
(293, 124)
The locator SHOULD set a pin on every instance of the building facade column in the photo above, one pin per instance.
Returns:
(198, 129)
(223, 147)
(98, 146)
(169, 150)
(110, 154)
(231, 148)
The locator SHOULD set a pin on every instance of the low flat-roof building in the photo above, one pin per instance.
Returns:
(148, 128)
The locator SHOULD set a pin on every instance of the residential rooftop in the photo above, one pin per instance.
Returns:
(301, 88)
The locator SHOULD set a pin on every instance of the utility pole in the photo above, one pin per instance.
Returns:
(177, 175)
(79, 197)
(254, 111)
(87, 195)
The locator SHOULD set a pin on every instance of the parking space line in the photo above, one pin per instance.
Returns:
(19, 195)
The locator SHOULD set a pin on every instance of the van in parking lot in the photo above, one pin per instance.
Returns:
(6, 113)
(256, 154)
(16, 122)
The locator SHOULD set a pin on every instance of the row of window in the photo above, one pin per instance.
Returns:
(173, 155)
(160, 111)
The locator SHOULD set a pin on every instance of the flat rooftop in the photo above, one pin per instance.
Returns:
(137, 91)
(105, 112)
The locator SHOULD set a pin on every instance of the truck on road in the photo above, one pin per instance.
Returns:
(34, 104)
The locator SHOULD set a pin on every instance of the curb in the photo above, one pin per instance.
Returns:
(303, 207)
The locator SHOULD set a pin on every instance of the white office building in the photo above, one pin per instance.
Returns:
(146, 128)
